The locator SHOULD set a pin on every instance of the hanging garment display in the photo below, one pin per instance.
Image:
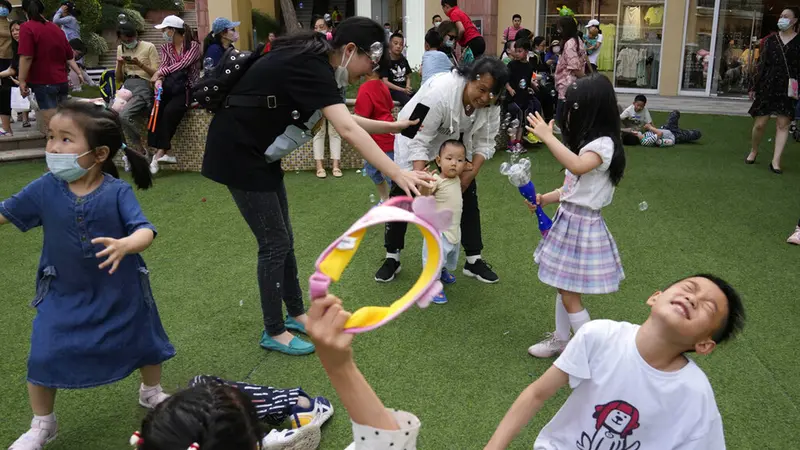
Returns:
(654, 15)
(605, 60)
(631, 23)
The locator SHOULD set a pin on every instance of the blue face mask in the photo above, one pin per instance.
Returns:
(64, 166)
(167, 37)
(450, 43)
(130, 45)
(4, 12)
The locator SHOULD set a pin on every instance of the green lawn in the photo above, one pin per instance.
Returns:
(460, 366)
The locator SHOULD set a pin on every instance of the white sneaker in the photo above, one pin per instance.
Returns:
(40, 434)
(150, 398)
(127, 163)
(304, 438)
(795, 238)
(549, 347)
(167, 159)
(154, 166)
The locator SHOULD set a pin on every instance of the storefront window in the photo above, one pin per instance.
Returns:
(639, 56)
(697, 45)
(632, 30)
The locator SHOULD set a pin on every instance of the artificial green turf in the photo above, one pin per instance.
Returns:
(460, 366)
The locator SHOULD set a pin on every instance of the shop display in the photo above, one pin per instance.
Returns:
(639, 46)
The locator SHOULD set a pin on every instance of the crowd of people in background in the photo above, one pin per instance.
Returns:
(465, 95)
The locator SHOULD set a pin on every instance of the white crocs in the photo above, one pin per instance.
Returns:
(151, 397)
(40, 434)
(304, 438)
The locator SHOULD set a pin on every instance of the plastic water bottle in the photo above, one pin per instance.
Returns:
(364, 172)
(372, 198)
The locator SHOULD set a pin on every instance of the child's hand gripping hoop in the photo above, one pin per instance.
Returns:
(332, 262)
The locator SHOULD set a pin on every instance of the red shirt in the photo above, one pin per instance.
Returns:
(48, 46)
(470, 31)
(375, 102)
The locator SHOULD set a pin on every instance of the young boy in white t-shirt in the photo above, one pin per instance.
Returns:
(633, 386)
(452, 162)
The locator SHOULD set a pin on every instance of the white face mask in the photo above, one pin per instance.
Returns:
(65, 166)
(556, 49)
(436, 24)
(341, 74)
(784, 23)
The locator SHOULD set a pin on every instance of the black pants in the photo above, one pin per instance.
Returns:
(681, 136)
(395, 232)
(559, 113)
(267, 214)
(478, 46)
(400, 97)
(170, 113)
(547, 100)
(272, 405)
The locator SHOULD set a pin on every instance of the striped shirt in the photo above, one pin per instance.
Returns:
(172, 61)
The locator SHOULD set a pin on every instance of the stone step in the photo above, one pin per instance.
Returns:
(22, 141)
(21, 155)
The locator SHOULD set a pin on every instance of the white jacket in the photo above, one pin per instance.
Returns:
(443, 95)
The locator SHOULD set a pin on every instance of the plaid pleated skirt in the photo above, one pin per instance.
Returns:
(579, 254)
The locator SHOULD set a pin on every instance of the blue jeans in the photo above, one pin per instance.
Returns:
(49, 96)
(374, 174)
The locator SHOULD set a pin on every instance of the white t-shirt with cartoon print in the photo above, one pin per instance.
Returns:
(593, 189)
(619, 402)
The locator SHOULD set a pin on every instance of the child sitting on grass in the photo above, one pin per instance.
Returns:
(452, 162)
(633, 385)
(638, 127)
(374, 102)
(214, 414)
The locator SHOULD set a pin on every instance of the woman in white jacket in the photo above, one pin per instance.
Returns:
(462, 106)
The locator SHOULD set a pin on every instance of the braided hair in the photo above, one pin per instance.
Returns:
(103, 128)
(211, 414)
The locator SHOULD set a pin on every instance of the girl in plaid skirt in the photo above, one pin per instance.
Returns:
(579, 255)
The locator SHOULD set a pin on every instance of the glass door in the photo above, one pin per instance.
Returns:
(736, 51)
(721, 44)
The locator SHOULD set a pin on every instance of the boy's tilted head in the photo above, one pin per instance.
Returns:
(639, 102)
(521, 49)
(433, 39)
(396, 44)
(698, 312)
(452, 158)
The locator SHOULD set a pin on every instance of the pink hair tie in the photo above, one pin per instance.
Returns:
(329, 36)
(194, 446)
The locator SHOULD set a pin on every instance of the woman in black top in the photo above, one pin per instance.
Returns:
(273, 109)
(779, 61)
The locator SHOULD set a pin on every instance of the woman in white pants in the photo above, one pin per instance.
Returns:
(319, 149)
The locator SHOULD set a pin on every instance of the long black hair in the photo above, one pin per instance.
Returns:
(212, 39)
(102, 128)
(14, 42)
(486, 65)
(359, 30)
(213, 415)
(590, 112)
(34, 9)
(569, 30)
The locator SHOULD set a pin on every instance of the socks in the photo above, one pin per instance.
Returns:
(473, 259)
(48, 419)
(394, 256)
(563, 322)
(578, 319)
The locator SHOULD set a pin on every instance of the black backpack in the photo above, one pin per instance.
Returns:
(212, 92)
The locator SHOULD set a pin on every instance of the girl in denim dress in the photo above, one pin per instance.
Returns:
(96, 321)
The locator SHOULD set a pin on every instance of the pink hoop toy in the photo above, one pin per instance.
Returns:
(330, 265)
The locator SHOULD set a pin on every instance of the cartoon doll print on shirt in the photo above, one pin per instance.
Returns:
(615, 422)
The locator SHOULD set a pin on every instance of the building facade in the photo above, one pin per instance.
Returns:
(666, 47)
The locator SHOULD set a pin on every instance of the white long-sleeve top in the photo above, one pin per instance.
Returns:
(443, 94)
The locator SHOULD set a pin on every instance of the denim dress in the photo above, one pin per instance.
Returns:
(91, 328)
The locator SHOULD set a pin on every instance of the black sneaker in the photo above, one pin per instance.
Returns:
(388, 270)
(481, 271)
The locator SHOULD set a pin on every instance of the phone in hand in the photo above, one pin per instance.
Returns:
(420, 111)
(127, 58)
